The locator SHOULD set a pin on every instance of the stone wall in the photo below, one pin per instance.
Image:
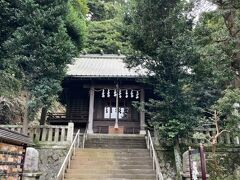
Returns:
(228, 165)
(166, 162)
(50, 161)
(228, 161)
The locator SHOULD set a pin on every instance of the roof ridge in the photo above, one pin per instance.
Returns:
(101, 56)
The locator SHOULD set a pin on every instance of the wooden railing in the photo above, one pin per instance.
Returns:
(47, 134)
(63, 118)
(226, 138)
(71, 152)
(153, 154)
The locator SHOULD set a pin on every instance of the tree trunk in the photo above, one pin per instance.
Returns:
(25, 115)
(178, 159)
(230, 17)
(43, 115)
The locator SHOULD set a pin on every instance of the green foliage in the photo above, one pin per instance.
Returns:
(216, 72)
(229, 13)
(163, 37)
(9, 85)
(106, 35)
(228, 107)
(104, 10)
(38, 39)
(75, 22)
(106, 29)
(213, 70)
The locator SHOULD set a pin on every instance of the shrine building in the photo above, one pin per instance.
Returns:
(99, 92)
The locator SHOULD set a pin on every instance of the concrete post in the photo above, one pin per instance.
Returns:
(70, 132)
(91, 110)
(142, 113)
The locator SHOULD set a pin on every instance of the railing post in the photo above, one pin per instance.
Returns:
(153, 155)
(70, 132)
(78, 140)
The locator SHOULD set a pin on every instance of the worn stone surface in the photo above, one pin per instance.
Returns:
(167, 163)
(50, 161)
(31, 160)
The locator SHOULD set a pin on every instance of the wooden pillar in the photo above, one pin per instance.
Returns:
(142, 113)
(117, 108)
(91, 109)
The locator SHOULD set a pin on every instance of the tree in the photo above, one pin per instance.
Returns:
(38, 47)
(217, 70)
(76, 22)
(229, 12)
(163, 37)
(162, 34)
(106, 30)
(9, 84)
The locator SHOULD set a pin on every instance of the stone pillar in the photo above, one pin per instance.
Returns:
(91, 110)
(31, 170)
(70, 132)
(142, 113)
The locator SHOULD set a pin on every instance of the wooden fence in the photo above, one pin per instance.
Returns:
(47, 135)
(226, 138)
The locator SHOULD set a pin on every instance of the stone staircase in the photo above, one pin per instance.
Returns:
(112, 157)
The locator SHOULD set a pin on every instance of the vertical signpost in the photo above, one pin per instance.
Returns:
(203, 162)
(197, 163)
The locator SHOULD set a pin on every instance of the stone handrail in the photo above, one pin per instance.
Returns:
(226, 138)
(153, 154)
(47, 134)
(67, 161)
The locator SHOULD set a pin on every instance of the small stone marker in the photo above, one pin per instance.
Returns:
(31, 160)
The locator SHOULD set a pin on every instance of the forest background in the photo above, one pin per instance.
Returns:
(192, 59)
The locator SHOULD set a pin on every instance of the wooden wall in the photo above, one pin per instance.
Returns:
(77, 105)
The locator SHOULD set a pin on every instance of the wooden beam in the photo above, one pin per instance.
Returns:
(91, 110)
(107, 86)
(142, 113)
(117, 110)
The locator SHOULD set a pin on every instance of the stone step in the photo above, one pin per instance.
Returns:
(99, 155)
(105, 176)
(109, 166)
(111, 171)
(109, 158)
(96, 162)
(116, 136)
(98, 178)
(112, 146)
(118, 140)
(93, 150)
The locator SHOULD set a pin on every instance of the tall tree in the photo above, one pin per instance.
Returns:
(38, 45)
(229, 12)
(218, 68)
(162, 35)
